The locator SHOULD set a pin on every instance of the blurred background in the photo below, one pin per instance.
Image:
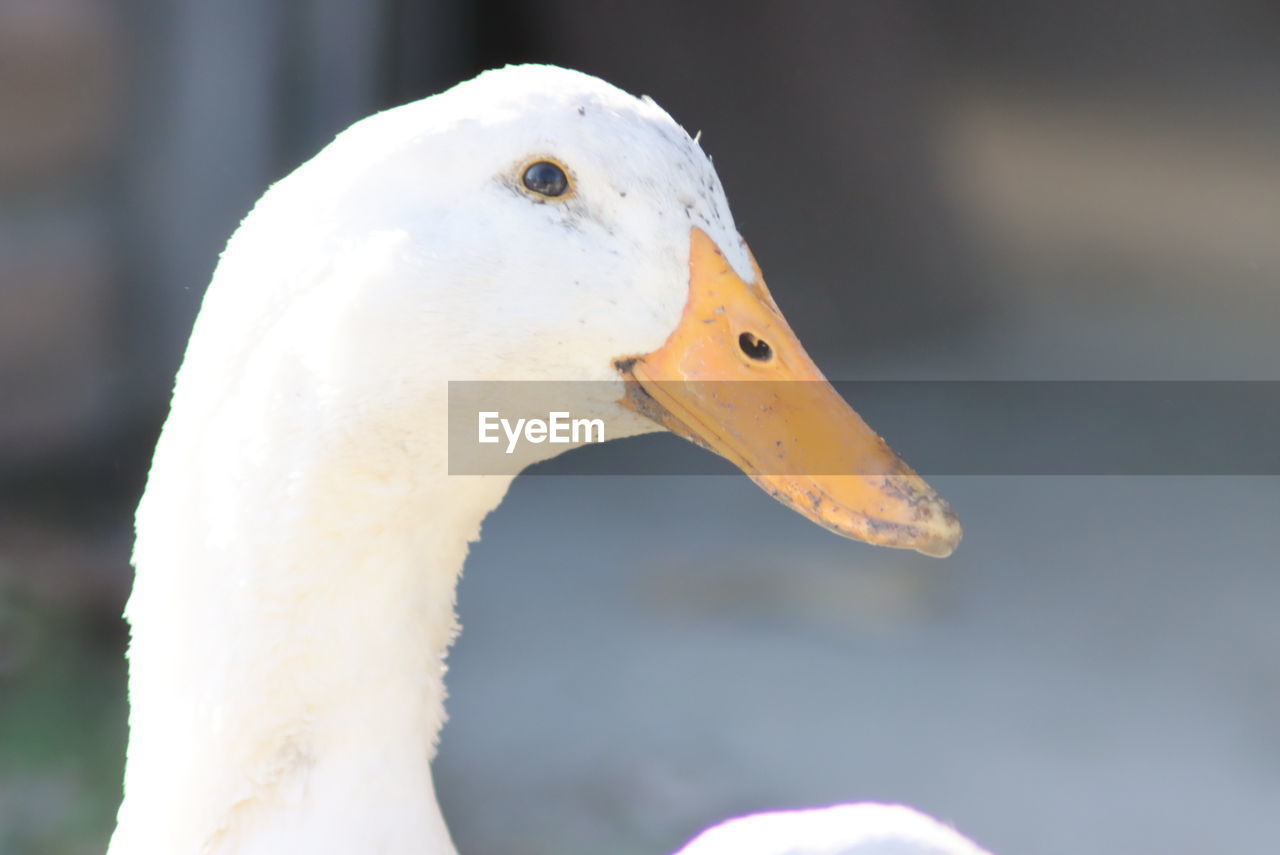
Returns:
(987, 190)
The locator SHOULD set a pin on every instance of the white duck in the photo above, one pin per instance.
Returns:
(300, 537)
(861, 829)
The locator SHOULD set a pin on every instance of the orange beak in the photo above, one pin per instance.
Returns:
(734, 379)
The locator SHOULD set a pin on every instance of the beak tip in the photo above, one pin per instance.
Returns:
(936, 538)
(940, 544)
(927, 523)
(942, 534)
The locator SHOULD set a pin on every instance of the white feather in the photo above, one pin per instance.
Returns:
(859, 829)
(299, 540)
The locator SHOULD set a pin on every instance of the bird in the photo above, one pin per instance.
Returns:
(849, 829)
(301, 533)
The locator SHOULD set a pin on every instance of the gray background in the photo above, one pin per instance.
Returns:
(979, 191)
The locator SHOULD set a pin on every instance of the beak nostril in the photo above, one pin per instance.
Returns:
(755, 348)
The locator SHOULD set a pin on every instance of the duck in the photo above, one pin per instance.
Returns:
(302, 529)
(847, 829)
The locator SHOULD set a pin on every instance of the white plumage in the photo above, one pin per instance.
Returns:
(300, 540)
(861, 829)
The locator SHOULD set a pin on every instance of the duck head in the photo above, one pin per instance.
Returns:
(539, 224)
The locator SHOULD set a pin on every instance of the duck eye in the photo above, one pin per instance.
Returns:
(546, 179)
(755, 348)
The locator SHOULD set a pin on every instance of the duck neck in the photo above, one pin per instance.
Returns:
(291, 615)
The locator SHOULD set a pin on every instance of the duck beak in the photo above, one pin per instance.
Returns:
(786, 426)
